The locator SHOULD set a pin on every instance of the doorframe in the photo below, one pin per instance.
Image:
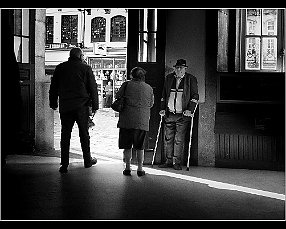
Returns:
(155, 77)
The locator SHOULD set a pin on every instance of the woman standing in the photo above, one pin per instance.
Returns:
(108, 92)
(133, 121)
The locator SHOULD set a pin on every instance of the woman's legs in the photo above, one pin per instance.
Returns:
(127, 139)
(140, 159)
(127, 156)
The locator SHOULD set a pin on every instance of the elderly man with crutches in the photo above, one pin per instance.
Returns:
(178, 104)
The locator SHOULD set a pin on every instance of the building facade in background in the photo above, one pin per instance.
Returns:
(101, 33)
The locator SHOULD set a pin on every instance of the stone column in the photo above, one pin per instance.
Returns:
(206, 134)
(44, 120)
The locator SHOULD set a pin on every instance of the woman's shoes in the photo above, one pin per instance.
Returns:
(63, 169)
(140, 173)
(127, 172)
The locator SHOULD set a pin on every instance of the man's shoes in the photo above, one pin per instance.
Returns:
(140, 173)
(63, 169)
(92, 162)
(177, 167)
(127, 172)
(165, 165)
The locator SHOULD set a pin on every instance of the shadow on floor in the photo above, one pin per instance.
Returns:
(33, 189)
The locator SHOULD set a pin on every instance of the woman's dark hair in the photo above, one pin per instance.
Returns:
(138, 73)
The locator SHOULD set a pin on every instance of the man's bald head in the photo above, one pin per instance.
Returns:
(76, 52)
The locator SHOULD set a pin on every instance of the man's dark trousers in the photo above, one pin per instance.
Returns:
(80, 116)
(176, 127)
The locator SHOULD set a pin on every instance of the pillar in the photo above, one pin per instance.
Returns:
(44, 120)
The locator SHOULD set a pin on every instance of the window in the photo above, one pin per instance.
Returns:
(98, 26)
(260, 39)
(49, 29)
(21, 35)
(256, 38)
(118, 29)
(147, 35)
(69, 29)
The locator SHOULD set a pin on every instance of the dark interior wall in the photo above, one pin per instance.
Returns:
(185, 38)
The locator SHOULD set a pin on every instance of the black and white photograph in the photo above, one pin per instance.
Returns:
(142, 114)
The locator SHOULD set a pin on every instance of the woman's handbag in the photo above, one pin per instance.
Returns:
(118, 104)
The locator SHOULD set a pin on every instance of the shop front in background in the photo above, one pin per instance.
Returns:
(108, 69)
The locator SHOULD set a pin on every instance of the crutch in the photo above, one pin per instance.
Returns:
(156, 144)
(189, 151)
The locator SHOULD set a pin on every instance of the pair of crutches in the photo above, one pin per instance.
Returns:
(191, 133)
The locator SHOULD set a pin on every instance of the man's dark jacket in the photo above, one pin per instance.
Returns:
(190, 92)
(74, 84)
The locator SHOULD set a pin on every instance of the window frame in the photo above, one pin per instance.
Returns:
(255, 86)
(231, 42)
(241, 42)
(147, 48)
(101, 29)
(118, 33)
(48, 27)
(22, 36)
(73, 38)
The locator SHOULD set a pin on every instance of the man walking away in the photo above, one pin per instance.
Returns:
(73, 86)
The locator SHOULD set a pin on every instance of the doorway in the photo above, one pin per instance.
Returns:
(102, 35)
(148, 54)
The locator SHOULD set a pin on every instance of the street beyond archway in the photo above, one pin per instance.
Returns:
(103, 136)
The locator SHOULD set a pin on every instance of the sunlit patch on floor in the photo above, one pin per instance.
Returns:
(216, 184)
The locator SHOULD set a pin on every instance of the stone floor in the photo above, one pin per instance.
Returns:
(33, 189)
